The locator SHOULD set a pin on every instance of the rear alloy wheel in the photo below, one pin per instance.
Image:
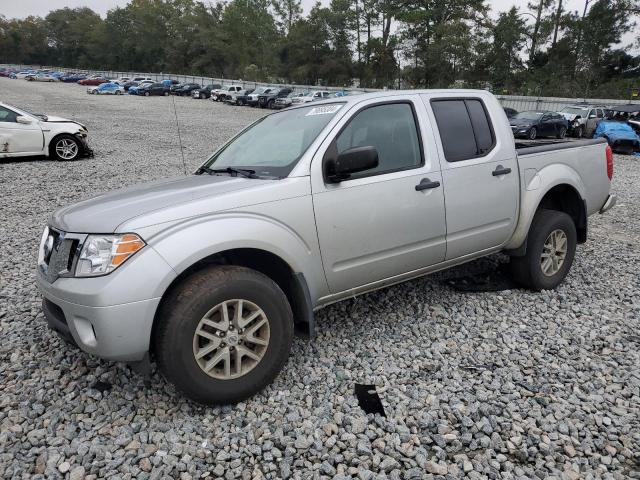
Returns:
(533, 133)
(551, 247)
(65, 147)
(562, 132)
(146, 94)
(94, 92)
(579, 132)
(270, 105)
(223, 334)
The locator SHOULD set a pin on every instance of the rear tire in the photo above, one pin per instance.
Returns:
(551, 247)
(146, 94)
(579, 133)
(562, 132)
(187, 312)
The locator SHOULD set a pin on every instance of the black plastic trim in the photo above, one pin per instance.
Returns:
(560, 145)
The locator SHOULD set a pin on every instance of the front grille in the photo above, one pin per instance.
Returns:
(59, 254)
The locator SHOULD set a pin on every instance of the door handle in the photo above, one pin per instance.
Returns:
(426, 184)
(500, 170)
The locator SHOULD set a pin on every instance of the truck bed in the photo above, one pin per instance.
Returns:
(526, 147)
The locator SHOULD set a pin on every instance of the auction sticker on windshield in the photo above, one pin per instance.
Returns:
(324, 110)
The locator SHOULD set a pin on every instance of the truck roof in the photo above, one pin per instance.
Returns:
(392, 93)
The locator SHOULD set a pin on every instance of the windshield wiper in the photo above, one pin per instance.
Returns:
(231, 170)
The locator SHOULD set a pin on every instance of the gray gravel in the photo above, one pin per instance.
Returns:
(507, 384)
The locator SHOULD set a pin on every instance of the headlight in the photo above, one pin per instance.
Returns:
(102, 254)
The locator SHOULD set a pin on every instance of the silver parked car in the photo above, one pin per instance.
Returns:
(210, 272)
(583, 119)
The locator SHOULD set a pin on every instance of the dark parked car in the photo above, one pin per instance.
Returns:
(239, 98)
(538, 123)
(204, 92)
(511, 112)
(267, 100)
(72, 77)
(619, 135)
(128, 85)
(149, 89)
(185, 89)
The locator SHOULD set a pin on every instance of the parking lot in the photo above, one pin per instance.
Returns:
(487, 383)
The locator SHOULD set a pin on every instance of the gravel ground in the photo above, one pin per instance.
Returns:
(507, 384)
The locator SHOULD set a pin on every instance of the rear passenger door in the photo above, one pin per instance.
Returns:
(547, 125)
(480, 176)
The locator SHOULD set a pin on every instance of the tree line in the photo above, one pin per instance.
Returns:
(542, 50)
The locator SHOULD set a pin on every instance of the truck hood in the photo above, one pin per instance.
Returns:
(154, 202)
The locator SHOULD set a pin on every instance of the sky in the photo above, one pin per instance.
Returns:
(24, 8)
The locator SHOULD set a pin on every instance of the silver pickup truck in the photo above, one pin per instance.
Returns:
(210, 273)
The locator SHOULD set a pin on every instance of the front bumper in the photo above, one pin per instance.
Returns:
(86, 149)
(109, 316)
(609, 204)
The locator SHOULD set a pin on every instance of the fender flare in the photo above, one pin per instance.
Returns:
(193, 241)
(551, 176)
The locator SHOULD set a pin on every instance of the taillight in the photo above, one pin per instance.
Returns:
(609, 154)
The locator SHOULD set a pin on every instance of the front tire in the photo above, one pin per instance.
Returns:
(533, 133)
(224, 334)
(146, 94)
(551, 247)
(579, 133)
(65, 148)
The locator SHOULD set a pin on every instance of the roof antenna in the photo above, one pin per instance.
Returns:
(175, 113)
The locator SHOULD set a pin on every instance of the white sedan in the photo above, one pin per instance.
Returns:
(24, 134)
(41, 77)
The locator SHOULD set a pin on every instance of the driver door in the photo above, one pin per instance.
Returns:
(376, 224)
(19, 138)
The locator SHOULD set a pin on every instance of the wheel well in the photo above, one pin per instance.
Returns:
(565, 198)
(292, 284)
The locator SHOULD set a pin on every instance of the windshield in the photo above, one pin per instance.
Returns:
(274, 144)
(528, 115)
(574, 110)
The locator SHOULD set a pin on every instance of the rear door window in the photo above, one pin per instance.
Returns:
(465, 128)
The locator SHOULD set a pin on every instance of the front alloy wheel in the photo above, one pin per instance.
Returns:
(223, 334)
(231, 339)
(65, 148)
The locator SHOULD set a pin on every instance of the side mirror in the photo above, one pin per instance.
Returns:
(24, 120)
(354, 160)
